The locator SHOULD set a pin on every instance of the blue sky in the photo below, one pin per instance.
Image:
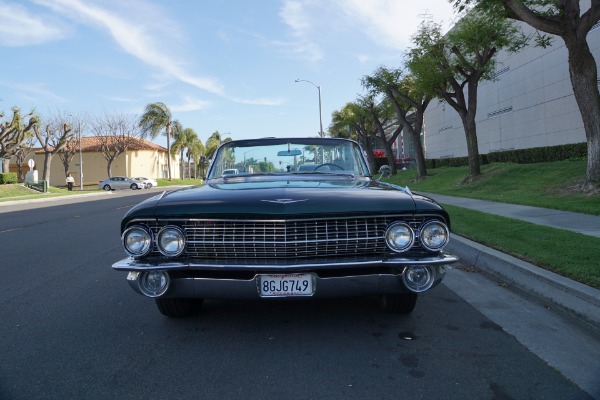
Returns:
(219, 65)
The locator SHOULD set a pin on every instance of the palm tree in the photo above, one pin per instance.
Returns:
(157, 117)
(195, 151)
(183, 138)
(212, 143)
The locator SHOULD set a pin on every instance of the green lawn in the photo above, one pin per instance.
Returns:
(542, 185)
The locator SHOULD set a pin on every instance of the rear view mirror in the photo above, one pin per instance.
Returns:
(283, 153)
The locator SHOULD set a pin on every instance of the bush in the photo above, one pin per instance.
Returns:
(576, 151)
(7, 178)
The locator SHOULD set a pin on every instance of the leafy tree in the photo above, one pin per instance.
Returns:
(13, 133)
(402, 92)
(212, 143)
(196, 152)
(353, 122)
(565, 19)
(156, 117)
(380, 115)
(184, 138)
(451, 66)
(53, 138)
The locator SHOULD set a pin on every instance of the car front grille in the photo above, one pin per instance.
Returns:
(287, 239)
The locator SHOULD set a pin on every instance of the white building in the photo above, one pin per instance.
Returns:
(529, 104)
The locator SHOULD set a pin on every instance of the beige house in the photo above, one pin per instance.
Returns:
(143, 158)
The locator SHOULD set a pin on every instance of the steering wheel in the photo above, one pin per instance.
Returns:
(329, 165)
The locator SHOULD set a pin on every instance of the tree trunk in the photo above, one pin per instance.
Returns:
(584, 76)
(415, 135)
(6, 165)
(168, 130)
(47, 163)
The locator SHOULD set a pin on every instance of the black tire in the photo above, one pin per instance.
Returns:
(148, 185)
(403, 303)
(106, 187)
(134, 186)
(179, 308)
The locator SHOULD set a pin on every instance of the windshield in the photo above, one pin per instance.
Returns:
(288, 156)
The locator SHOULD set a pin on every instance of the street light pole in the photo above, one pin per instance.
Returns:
(80, 161)
(320, 115)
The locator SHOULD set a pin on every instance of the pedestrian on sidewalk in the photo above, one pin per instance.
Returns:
(70, 182)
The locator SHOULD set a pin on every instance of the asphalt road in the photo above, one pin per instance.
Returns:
(71, 328)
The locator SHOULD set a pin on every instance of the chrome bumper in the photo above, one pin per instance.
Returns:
(343, 284)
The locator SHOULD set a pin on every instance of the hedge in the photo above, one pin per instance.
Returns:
(9, 177)
(533, 155)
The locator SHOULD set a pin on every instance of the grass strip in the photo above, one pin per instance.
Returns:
(570, 254)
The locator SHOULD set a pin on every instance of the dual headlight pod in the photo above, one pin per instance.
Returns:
(433, 236)
(138, 241)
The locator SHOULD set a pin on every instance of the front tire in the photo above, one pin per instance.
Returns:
(179, 308)
(134, 186)
(402, 303)
(106, 187)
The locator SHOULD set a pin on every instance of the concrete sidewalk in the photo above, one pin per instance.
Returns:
(575, 222)
(576, 299)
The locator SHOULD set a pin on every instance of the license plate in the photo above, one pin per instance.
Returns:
(286, 285)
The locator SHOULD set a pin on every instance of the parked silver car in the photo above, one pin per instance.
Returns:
(121, 182)
(148, 182)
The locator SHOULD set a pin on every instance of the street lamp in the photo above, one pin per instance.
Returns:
(320, 118)
(245, 157)
(80, 154)
(80, 160)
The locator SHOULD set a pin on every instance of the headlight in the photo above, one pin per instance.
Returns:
(399, 236)
(434, 235)
(418, 278)
(170, 241)
(137, 241)
(154, 283)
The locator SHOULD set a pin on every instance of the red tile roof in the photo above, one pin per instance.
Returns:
(94, 144)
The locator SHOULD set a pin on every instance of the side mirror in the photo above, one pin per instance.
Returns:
(385, 171)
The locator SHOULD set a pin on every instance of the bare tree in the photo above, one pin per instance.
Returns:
(22, 153)
(67, 153)
(13, 133)
(116, 133)
(53, 137)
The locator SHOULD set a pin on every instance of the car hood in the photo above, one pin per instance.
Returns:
(282, 198)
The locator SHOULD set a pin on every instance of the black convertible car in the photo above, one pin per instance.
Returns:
(300, 217)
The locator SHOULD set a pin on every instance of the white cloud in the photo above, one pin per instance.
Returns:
(387, 23)
(20, 28)
(33, 91)
(262, 101)
(191, 104)
(297, 16)
(138, 39)
(391, 23)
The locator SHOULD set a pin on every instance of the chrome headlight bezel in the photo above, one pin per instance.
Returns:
(399, 237)
(418, 278)
(434, 235)
(137, 241)
(167, 237)
(154, 283)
